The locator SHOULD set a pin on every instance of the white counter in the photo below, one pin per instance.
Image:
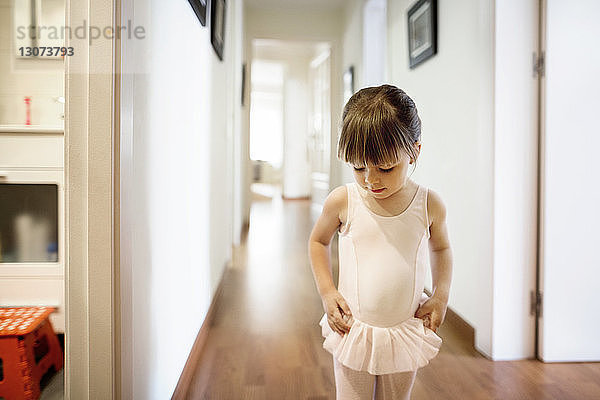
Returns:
(31, 129)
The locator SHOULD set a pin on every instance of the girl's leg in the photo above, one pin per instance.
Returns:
(395, 386)
(352, 385)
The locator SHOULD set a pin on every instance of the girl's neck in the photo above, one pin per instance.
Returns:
(407, 190)
(395, 203)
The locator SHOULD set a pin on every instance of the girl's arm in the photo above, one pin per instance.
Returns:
(318, 247)
(434, 310)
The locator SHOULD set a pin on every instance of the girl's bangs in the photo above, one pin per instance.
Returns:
(369, 143)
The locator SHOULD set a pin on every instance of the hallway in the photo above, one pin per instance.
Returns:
(265, 342)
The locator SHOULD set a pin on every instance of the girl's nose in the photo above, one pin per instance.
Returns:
(370, 177)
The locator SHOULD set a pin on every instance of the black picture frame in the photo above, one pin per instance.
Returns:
(422, 31)
(243, 84)
(217, 26)
(199, 7)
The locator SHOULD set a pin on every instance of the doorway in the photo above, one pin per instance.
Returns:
(290, 119)
(32, 181)
(266, 126)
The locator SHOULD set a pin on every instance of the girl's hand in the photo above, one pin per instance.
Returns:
(338, 313)
(432, 312)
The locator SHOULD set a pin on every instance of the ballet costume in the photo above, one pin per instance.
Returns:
(382, 267)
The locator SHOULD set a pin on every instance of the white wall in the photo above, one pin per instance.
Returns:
(41, 79)
(454, 94)
(477, 100)
(240, 140)
(178, 122)
(374, 42)
(352, 55)
(570, 257)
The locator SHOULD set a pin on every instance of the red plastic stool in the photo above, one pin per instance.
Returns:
(28, 348)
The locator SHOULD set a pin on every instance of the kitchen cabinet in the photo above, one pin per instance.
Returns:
(32, 214)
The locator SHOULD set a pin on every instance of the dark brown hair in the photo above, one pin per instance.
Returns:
(378, 124)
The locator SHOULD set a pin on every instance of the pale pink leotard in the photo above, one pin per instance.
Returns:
(383, 263)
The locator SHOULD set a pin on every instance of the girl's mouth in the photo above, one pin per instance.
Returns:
(378, 190)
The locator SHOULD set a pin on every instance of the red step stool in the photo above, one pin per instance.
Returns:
(28, 349)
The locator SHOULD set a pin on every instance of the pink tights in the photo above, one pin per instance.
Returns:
(354, 385)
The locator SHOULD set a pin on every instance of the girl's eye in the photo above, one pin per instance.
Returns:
(359, 169)
(386, 170)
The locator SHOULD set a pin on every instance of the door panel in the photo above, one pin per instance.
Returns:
(570, 216)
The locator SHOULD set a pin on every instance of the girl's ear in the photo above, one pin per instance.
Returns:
(418, 148)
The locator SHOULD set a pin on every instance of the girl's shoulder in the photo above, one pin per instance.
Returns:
(337, 201)
(338, 196)
(436, 209)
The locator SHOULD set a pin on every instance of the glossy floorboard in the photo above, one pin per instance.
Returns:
(265, 342)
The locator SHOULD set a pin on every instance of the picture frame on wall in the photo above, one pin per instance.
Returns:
(422, 31)
(199, 7)
(217, 26)
(243, 84)
(348, 83)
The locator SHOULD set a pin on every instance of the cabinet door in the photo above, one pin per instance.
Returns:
(31, 151)
(35, 291)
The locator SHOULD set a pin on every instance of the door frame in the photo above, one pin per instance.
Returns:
(92, 347)
(320, 181)
(537, 301)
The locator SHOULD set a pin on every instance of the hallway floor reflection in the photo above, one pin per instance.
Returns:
(265, 342)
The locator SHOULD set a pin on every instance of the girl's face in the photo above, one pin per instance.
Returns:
(383, 181)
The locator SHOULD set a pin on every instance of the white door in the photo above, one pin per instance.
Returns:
(320, 127)
(570, 216)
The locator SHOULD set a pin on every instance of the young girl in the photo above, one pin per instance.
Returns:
(379, 325)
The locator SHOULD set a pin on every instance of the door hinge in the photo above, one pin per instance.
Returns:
(535, 303)
(539, 65)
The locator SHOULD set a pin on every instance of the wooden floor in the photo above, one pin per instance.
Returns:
(265, 342)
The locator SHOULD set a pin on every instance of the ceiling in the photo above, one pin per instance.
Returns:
(276, 49)
(312, 4)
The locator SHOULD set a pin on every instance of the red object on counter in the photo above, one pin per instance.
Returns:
(28, 110)
(28, 349)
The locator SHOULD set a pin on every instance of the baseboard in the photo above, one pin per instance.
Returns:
(459, 325)
(295, 198)
(185, 379)
(245, 230)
